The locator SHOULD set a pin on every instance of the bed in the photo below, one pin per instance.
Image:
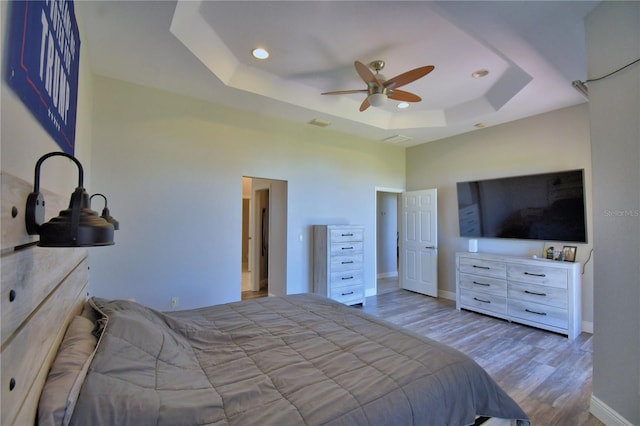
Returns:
(299, 359)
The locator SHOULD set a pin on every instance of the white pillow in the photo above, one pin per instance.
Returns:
(75, 351)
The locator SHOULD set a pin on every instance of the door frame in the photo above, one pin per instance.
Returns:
(398, 192)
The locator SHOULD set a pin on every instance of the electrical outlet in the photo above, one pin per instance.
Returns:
(174, 302)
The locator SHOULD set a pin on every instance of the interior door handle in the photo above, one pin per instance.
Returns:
(430, 247)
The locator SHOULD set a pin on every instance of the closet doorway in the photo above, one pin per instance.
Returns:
(264, 237)
(387, 232)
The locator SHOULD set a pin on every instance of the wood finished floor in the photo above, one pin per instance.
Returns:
(546, 373)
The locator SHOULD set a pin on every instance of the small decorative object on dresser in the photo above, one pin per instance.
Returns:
(338, 262)
(539, 293)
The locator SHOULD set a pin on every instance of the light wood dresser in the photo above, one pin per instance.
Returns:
(540, 293)
(338, 262)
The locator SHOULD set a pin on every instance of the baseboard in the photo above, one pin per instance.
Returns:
(383, 275)
(587, 327)
(449, 295)
(370, 292)
(606, 414)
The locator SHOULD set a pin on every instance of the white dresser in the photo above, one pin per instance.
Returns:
(540, 293)
(338, 262)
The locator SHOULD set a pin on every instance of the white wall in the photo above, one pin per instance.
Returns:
(173, 168)
(558, 140)
(613, 40)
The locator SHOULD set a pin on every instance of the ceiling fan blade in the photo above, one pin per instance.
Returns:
(344, 92)
(408, 77)
(365, 73)
(401, 95)
(365, 104)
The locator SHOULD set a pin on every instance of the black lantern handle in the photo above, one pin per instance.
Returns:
(36, 180)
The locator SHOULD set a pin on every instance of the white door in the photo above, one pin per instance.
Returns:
(419, 242)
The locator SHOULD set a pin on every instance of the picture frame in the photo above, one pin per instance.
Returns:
(569, 253)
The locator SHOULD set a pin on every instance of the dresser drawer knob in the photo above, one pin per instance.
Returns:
(347, 278)
(346, 262)
(481, 300)
(482, 284)
(534, 293)
(347, 248)
(535, 275)
(347, 293)
(347, 235)
(481, 267)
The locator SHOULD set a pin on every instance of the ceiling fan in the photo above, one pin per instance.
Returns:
(378, 89)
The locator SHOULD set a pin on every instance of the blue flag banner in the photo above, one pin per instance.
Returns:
(44, 63)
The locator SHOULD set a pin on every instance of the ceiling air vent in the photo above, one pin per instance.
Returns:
(319, 123)
(396, 139)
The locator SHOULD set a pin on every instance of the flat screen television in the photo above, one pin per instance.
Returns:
(548, 207)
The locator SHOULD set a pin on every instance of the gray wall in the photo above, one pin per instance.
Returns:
(613, 40)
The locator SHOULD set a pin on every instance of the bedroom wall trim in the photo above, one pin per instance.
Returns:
(41, 290)
(606, 414)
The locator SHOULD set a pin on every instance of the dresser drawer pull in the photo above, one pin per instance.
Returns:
(347, 235)
(483, 301)
(348, 293)
(482, 284)
(534, 293)
(534, 312)
(535, 275)
(347, 248)
(347, 278)
(346, 262)
(481, 267)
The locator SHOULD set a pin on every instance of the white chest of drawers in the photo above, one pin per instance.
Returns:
(539, 293)
(338, 262)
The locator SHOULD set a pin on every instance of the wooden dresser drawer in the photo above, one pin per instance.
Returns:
(348, 295)
(339, 235)
(346, 248)
(543, 314)
(548, 276)
(483, 301)
(346, 263)
(346, 278)
(486, 268)
(482, 284)
(552, 296)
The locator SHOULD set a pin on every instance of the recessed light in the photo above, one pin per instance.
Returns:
(260, 53)
(480, 74)
(403, 105)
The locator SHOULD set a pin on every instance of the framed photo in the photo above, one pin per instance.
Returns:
(569, 253)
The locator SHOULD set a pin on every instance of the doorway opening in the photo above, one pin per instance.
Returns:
(387, 240)
(264, 237)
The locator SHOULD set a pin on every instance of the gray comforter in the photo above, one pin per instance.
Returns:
(301, 359)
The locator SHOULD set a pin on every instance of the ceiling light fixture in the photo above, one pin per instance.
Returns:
(480, 74)
(377, 99)
(403, 105)
(260, 53)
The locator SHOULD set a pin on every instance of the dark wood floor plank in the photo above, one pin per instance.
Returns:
(546, 373)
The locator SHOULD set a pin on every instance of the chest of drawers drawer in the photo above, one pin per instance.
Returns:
(483, 301)
(542, 314)
(482, 284)
(483, 267)
(537, 275)
(551, 296)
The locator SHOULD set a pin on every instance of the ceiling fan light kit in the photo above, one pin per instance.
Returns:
(379, 89)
